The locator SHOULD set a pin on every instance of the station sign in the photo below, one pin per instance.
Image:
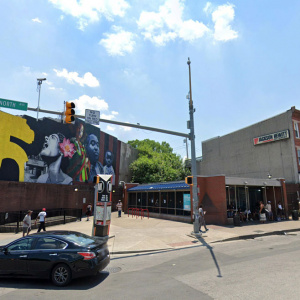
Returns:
(272, 137)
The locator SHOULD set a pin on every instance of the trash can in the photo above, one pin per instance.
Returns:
(295, 215)
(236, 220)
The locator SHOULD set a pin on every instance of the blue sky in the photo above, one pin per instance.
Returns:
(128, 59)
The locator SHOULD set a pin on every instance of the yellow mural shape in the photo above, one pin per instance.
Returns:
(17, 127)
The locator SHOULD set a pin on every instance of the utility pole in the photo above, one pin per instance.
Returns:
(187, 148)
(39, 85)
(193, 155)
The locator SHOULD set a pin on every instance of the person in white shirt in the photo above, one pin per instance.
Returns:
(269, 211)
(27, 223)
(119, 208)
(201, 218)
(42, 215)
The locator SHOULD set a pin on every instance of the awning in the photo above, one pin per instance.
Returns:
(179, 185)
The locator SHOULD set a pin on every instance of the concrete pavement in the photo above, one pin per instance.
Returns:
(129, 235)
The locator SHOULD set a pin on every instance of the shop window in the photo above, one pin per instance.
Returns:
(150, 202)
(132, 200)
(296, 130)
(164, 203)
(144, 200)
(171, 203)
(156, 208)
(179, 203)
(139, 200)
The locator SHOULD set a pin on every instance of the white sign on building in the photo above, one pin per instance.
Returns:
(92, 116)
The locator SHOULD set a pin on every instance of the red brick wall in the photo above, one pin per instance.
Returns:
(213, 199)
(16, 196)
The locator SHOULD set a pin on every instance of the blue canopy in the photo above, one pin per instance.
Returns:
(179, 185)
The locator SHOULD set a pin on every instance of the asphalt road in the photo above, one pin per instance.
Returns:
(261, 268)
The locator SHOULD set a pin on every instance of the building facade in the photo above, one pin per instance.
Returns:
(268, 149)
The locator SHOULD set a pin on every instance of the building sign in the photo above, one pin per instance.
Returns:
(187, 202)
(272, 137)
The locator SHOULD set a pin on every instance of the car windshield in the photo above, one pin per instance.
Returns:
(80, 239)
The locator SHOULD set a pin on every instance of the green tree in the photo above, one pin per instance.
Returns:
(156, 163)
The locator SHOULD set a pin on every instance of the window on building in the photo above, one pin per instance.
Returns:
(298, 152)
(296, 130)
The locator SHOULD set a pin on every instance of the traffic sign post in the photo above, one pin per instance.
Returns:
(92, 116)
(13, 104)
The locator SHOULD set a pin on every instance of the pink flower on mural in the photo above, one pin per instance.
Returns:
(67, 148)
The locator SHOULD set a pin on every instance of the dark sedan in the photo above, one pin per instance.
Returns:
(58, 255)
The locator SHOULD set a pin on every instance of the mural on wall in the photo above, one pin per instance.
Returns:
(63, 153)
(14, 127)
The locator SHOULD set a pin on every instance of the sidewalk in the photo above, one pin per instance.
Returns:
(129, 235)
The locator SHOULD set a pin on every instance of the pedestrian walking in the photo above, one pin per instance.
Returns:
(279, 211)
(119, 208)
(269, 211)
(262, 213)
(42, 216)
(27, 223)
(88, 211)
(201, 218)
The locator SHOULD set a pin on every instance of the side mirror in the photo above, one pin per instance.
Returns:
(5, 251)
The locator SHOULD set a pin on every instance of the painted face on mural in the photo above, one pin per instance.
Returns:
(108, 158)
(51, 145)
(92, 148)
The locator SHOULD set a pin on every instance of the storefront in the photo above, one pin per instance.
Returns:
(173, 200)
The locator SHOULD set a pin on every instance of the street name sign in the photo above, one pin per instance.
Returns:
(92, 116)
(13, 104)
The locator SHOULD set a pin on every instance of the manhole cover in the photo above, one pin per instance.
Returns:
(112, 269)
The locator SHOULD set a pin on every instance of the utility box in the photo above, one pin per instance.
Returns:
(101, 230)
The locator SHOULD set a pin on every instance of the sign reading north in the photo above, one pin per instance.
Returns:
(272, 137)
(13, 104)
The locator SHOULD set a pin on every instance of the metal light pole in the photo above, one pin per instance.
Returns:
(39, 84)
(193, 155)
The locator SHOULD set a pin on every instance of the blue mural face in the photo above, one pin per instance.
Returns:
(66, 153)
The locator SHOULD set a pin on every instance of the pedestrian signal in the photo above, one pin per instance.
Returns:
(69, 112)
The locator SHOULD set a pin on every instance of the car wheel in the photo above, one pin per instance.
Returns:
(61, 275)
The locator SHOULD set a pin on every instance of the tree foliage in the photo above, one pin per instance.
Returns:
(156, 163)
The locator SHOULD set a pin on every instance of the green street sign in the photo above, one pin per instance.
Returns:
(13, 104)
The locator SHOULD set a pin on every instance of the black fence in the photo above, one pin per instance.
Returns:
(12, 221)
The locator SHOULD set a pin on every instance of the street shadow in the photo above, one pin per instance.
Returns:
(210, 248)
(84, 283)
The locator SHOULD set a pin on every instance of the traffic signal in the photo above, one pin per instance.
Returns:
(96, 179)
(189, 180)
(69, 112)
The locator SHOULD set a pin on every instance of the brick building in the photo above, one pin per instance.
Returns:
(268, 149)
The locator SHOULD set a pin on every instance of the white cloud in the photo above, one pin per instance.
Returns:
(87, 102)
(36, 20)
(115, 113)
(110, 128)
(72, 77)
(222, 16)
(89, 11)
(126, 128)
(118, 43)
(208, 7)
(167, 24)
(108, 116)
